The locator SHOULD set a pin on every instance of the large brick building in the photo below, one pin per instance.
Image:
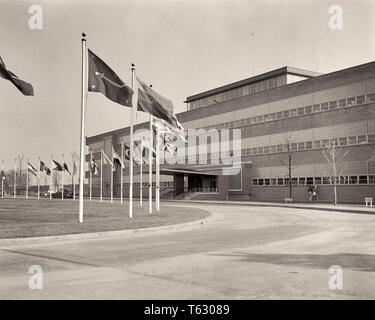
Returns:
(308, 109)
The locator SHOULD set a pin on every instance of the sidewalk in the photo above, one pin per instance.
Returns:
(351, 208)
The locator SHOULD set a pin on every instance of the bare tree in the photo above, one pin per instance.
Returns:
(287, 146)
(335, 155)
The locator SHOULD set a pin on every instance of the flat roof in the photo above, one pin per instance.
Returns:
(257, 78)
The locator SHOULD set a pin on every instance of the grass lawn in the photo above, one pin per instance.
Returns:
(44, 217)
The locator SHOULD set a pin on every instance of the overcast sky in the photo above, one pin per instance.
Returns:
(182, 47)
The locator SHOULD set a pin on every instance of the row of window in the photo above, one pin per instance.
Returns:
(146, 184)
(238, 92)
(295, 112)
(304, 181)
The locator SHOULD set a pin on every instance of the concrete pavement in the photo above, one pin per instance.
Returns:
(242, 253)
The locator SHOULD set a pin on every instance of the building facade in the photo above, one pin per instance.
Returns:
(284, 112)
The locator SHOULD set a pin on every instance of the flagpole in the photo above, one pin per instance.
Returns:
(141, 176)
(27, 179)
(82, 142)
(50, 181)
(150, 166)
(112, 172)
(39, 179)
(131, 151)
(62, 179)
(90, 175)
(2, 179)
(121, 171)
(74, 175)
(157, 169)
(101, 176)
(15, 177)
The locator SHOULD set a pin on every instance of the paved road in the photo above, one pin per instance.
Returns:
(241, 253)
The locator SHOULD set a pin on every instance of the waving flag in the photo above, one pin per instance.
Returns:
(31, 169)
(58, 166)
(106, 160)
(117, 159)
(26, 88)
(126, 152)
(48, 171)
(104, 80)
(65, 166)
(42, 166)
(93, 166)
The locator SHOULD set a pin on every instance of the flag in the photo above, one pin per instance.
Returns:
(74, 169)
(152, 102)
(42, 166)
(106, 160)
(31, 169)
(101, 78)
(48, 171)
(58, 167)
(26, 88)
(93, 166)
(126, 152)
(65, 166)
(117, 159)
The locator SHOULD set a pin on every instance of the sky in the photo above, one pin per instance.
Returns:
(181, 47)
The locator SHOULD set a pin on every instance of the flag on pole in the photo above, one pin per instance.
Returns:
(126, 152)
(58, 166)
(101, 78)
(42, 166)
(154, 103)
(93, 166)
(65, 167)
(26, 88)
(31, 169)
(117, 159)
(48, 171)
(106, 160)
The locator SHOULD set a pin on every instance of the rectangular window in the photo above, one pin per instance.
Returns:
(253, 120)
(266, 182)
(272, 149)
(301, 146)
(301, 111)
(318, 180)
(361, 99)
(342, 103)
(294, 181)
(260, 182)
(371, 179)
(273, 182)
(286, 181)
(302, 181)
(237, 123)
(260, 118)
(343, 141)
(316, 108)
(332, 105)
(266, 117)
(362, 139)
(272, 116)
(266, 149)
(371, 97)
(309, 180)
(279, 115)
(255, 182)
(308, 145)
(260, 150)
(286, 114)
(333, 141)
(308, 109)
(371, 138)
(254, 151)
(351, 101)
(326, 180)
(353, 180)
(293, 146)
(324, 106)
(325, 143)
(352, 140)
(317, 144)
(362, 179)
(293, 112)
(280, 181)
(279, 148)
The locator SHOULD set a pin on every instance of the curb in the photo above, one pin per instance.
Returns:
(275, 205)
(10, 242)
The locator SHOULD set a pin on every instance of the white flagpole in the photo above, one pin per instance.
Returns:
(39, 179)
(131, 150)
(112, 172)
(157, 169)
(122, 172)
(62, 179)
(74, 176)
(27, 179)
(50, 180)
(82, 142)
(90, 167)
(141, 176)
(150, 167)
(2, 179)
(101, 176)
(15, 179)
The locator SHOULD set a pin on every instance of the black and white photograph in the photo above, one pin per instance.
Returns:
(182, 150)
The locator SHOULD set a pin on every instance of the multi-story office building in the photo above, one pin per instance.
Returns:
(284, 112)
